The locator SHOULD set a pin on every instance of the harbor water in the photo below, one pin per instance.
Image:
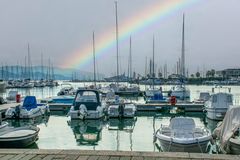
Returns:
(58, 132)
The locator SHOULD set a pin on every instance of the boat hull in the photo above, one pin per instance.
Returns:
(89, 115)
(216, 113)
(168, 146)
(234, 146)
(19, 141)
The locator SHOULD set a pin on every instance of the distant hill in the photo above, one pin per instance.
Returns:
(19, 72)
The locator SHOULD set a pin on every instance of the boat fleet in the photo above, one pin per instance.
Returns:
(90, 104)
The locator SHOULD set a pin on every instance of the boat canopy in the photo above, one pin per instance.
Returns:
(182, 123)
(30, 102)
(230, 124)
(157, 96)
(89, 98)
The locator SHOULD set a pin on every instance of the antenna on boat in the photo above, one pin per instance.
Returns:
(116, 14)
(94, 67)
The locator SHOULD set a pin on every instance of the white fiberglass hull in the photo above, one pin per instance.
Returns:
(216, 113)
(197, 147)
(181, 94)
(182, 144)
(25, 114)
(88, 115)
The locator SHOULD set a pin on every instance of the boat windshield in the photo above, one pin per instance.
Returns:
(181, 123)
(87, 96)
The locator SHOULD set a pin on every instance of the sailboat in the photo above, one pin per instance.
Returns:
(27, 81)
(120, 108)
(153, 95)
(180, 90)
(132, 90)
(41, 82)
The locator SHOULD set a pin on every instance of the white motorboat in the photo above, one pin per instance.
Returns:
(217, 105)
(18, 137)
(12, 95)
(121, 110)
(67, 89)
(29, 109)
(150, 92)
(228, 131)
(125, 90)
(180, 92)
(182, 135)
(87, 105)
(203, 97)
(40, 83)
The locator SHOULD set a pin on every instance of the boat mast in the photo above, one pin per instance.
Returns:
(183, 49)
(116, 13)
(42, 66)
(94, 67)
(153, 73)
(130, 58)
(29, 69)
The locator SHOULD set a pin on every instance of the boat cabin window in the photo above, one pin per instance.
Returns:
(87, 96)
(214, 99)
(229, 99)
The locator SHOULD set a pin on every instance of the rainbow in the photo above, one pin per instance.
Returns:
(152, 14)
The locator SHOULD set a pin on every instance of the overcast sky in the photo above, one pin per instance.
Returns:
(57, 28)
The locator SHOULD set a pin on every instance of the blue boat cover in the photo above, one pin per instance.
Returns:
(30, 102)
(157, 96)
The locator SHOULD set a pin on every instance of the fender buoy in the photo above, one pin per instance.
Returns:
(173, 100)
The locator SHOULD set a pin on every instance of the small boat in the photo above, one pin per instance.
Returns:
(67, 89)
(156, 98)
(12, 95)
(217, 106)
(29, 109)
(87, 105)
(180, 92)
(203, 97)
(122, 110)
(40, 83)
(131, 90)
(228, 131)
(182, 135)
(151, 91)
(17, 137)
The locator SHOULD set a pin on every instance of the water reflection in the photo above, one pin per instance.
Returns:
(119, 125)
(87, 132)
(26, 122)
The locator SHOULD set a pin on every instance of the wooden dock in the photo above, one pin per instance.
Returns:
(52, 154)
(187, 107)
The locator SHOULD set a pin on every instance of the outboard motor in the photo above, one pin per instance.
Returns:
(121, 110)
(17, 112)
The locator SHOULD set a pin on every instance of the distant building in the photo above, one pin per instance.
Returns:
(229, 73)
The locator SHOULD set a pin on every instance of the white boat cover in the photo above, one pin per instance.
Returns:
(182, 123)
(230, 124)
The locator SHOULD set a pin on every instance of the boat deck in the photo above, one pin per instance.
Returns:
(50, 154)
